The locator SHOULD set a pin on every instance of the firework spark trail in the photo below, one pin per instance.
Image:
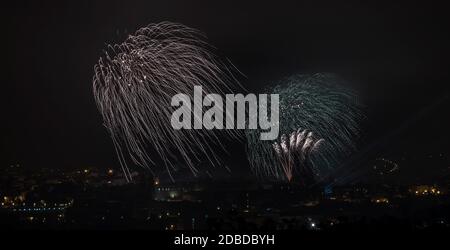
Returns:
(295, 150)
(133, 85)
(319, 127)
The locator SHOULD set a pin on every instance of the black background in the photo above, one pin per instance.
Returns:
(395, 54)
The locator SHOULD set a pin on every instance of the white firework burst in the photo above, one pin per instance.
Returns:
(133, 85)
(293, 150)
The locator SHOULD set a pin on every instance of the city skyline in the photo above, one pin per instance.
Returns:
(362, 143)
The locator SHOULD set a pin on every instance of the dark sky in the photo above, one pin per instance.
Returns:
(395, 54)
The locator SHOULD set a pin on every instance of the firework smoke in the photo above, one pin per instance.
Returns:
(134, 82)
(319, 127)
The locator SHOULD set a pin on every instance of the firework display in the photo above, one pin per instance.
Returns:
(319, 127)
(133, 85)
(295, 150)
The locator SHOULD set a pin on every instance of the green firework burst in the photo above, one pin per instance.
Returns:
(319, 127)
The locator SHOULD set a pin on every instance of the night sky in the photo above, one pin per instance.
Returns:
(396, 55)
